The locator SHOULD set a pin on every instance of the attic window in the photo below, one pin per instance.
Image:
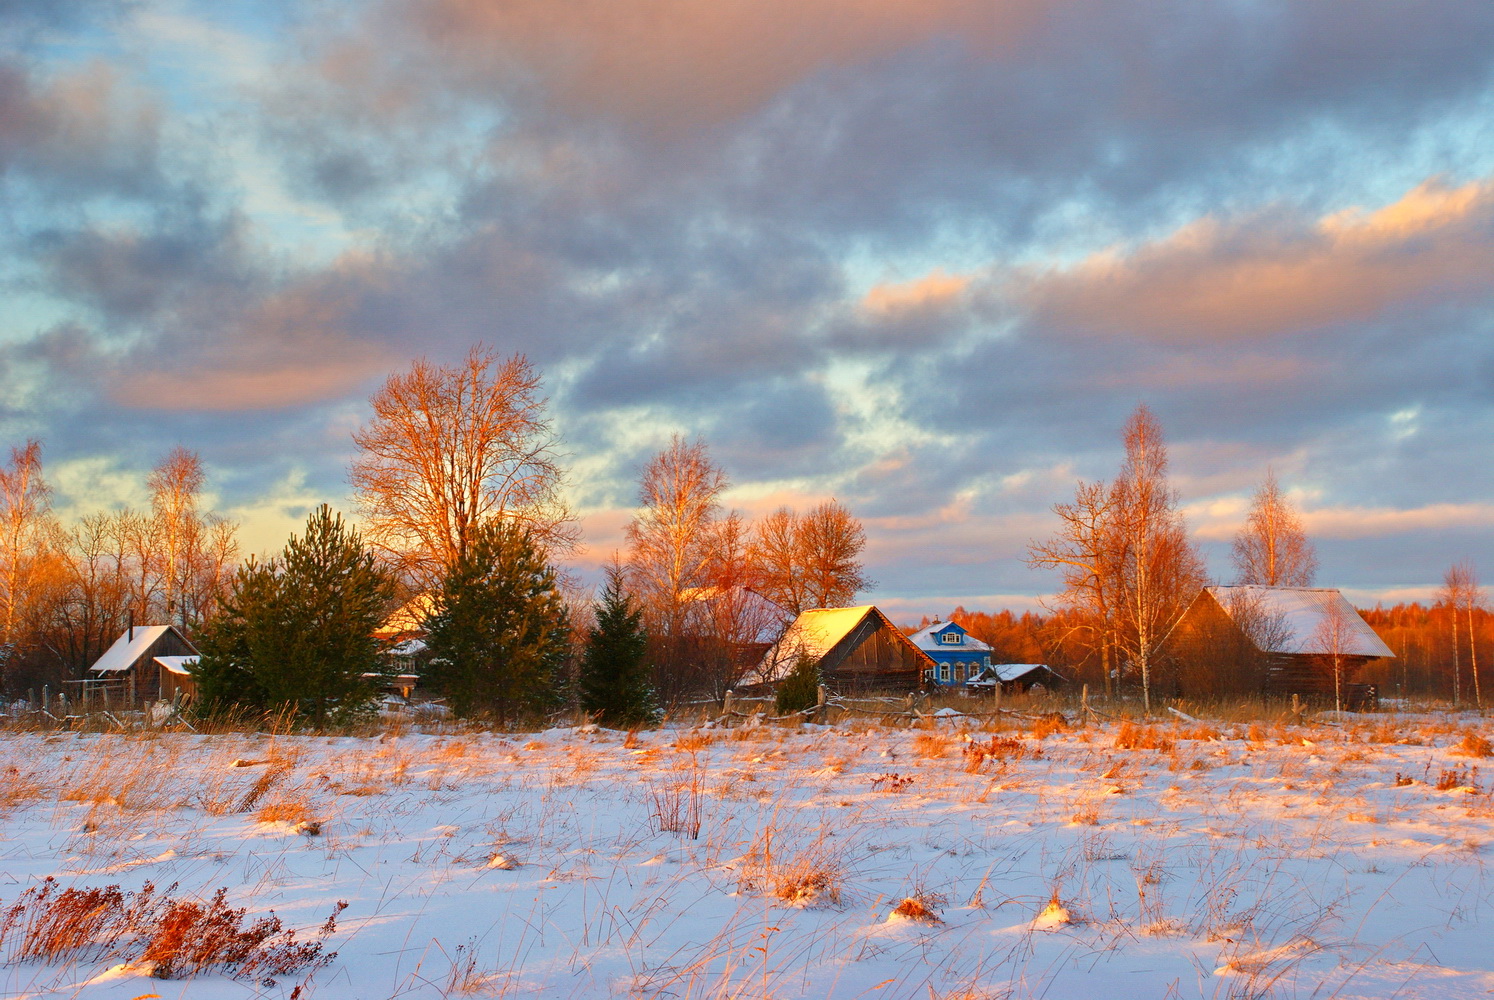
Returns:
(950, 638)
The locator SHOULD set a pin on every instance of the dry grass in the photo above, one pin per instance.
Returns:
(812, 875)
(922, 907)
(1130, 736)
(176, 938)
(1474, 745)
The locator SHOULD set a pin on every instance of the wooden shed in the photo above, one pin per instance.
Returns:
(1276, 640)
(857, 649)
(128, 674)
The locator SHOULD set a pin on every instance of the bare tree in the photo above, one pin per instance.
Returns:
(175, 485)
(1272, 550)
(672, 545)
(811, 560)
(1461, 594)
(1086, 553)
(450, 448)
(25, 504)
(1332, 638)
(1160, 570)
(1129, 569)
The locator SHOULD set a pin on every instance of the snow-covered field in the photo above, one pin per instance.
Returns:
(1182, 861)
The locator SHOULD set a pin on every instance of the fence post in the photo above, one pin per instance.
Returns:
(1084, 698)
(726, 705)
(819, 705)
(997, 691)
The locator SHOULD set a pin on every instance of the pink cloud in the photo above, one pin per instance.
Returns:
(1254, 277)
(681, 63)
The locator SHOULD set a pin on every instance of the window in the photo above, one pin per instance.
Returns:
(944, 671)
(950, 638)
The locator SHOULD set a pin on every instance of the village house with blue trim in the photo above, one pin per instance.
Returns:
(958, 656)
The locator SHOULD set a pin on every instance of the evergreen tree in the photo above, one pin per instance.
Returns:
(800, 689)
(500, 634)
(615, 671)
(298, 629)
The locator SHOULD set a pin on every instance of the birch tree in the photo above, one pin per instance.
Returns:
(1272, 550)
(1160, 570)
(1461, 595)
(1127, 564)
(25, 520)
(175, 485)
(672, 544)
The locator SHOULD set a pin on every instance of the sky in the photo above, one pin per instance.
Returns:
(921, 256)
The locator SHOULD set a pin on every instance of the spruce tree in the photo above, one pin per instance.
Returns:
(500, 635)
(297, 631)
(614, 681)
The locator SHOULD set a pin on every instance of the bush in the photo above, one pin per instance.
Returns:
(800, 690)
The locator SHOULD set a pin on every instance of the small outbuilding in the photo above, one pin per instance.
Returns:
(128, 673)
(1016, 677)
(1278, 640)
(857, 649)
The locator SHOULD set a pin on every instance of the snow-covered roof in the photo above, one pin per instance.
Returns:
(126, 650)
(814, 633)
(925, 639)
(177, 664)
(410, 617)
(1008, 672)
(1306, 618)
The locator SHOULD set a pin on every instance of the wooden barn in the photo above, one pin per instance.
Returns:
(128, 673)
(1276, 640)
(857, 649)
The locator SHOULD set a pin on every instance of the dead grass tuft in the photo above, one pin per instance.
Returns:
(891, 783)
(1130, 736)
(177, 938)
(932, 745)
(922, 907)
(1474, 745)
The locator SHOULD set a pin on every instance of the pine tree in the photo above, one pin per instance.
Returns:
(298, 630)
(500, 635)
(800, 689)
(614, 681)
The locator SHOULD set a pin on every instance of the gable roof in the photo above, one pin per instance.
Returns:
(1305, 615)
(815, 633)
(925, 639)
(126, 650)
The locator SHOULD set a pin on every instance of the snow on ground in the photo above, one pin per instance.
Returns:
(853, 861)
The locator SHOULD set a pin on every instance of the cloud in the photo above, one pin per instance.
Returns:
(83, 130)
(1262, 276)
(677, 64)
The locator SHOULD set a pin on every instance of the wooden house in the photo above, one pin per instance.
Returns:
(857, 649)
(128, 673)
(1275, 640)
(958, 656)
